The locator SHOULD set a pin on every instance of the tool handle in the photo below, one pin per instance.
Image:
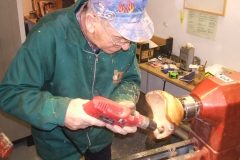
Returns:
(110, 112)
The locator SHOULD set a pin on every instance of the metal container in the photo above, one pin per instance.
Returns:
(186, 57)
(32, 14)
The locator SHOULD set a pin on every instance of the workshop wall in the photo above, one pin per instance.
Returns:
(224, 50)
(12, 32)
(12, 35)
(27, 7)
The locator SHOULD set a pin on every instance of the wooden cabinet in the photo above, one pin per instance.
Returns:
(43, 7)
(64, 3)
(175, 90)
(144, 77)
(150, 82)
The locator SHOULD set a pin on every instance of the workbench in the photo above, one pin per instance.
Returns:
(154, 79)
(32, 20)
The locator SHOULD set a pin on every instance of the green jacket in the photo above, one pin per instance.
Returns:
(54, 65)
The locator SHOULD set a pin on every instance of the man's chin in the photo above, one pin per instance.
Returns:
(111, 51)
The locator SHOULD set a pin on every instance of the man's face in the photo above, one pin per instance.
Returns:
(108, 39)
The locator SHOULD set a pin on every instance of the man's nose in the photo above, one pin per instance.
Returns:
(125, 46)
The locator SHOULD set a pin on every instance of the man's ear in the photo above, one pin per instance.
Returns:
(90, 21)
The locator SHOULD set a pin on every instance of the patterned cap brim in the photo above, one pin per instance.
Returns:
(135, 31)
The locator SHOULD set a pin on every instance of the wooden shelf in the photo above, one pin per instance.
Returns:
(57, 4)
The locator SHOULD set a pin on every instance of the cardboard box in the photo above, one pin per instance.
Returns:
(162, 48)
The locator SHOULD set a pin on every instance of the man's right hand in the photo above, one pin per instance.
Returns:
(76, 118)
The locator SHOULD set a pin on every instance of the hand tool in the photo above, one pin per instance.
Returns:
(116, 114)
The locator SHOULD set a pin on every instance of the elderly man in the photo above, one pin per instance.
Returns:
(70, 56)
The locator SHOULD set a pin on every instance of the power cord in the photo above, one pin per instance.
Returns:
(75, 145)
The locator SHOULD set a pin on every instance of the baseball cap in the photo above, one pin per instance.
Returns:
(128, 17)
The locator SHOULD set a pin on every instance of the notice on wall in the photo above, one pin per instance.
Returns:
(202, 24)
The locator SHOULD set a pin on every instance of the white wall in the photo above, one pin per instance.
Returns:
(224, 50)
(12, 34)
(26, 6)
(21, 20)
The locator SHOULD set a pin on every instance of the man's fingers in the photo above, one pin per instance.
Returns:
(130, 129)
(121, 130)
(128, 104)
(92, 121)
(116, 129)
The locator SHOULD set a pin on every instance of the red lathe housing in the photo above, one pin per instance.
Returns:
(217, 128)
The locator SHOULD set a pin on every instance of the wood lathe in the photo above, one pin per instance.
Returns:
(214, 110)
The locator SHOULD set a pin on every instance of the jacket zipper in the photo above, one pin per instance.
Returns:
(89, 141)
(94, 76)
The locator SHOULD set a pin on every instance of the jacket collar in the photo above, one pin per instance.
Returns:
(74, 34)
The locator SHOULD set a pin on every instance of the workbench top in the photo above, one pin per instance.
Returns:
(157, 72)
(33, 20)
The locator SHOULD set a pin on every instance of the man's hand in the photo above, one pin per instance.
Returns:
(77, 118)
(126, 129)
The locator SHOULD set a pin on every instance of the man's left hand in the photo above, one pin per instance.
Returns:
(126, 129)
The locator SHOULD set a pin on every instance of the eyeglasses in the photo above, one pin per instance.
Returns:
(119, 41)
